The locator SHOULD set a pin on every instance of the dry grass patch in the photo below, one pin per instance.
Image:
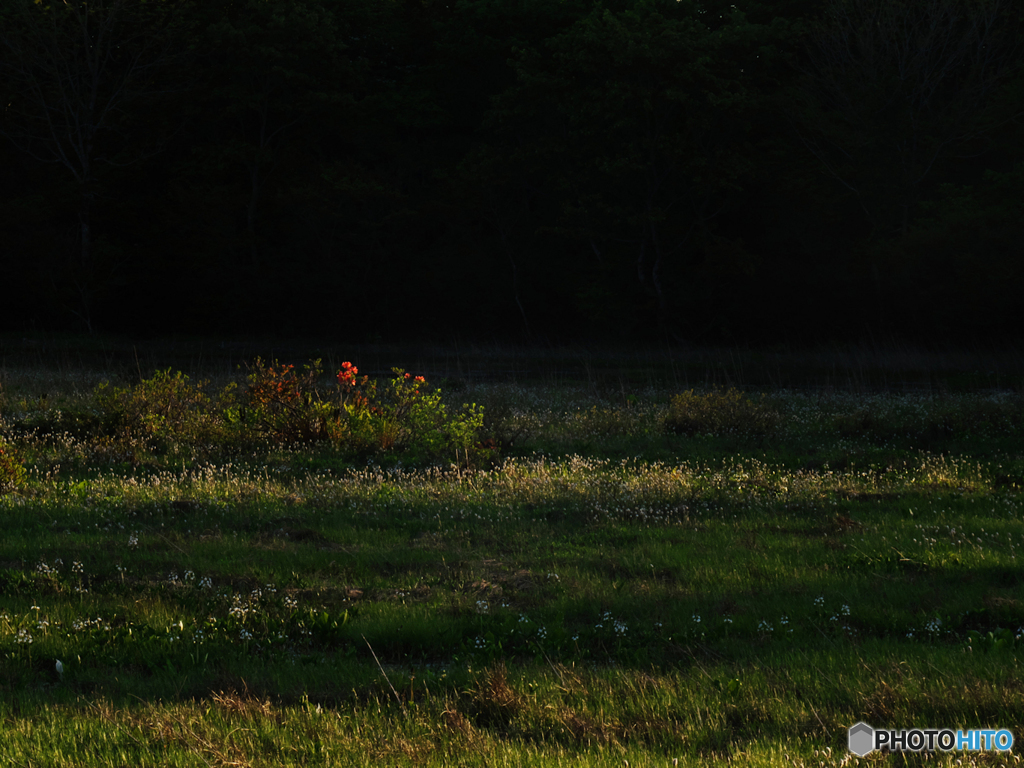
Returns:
(494, 702)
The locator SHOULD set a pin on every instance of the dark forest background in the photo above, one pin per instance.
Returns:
(708, 172)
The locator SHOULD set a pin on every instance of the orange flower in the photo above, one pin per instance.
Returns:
(348, 373)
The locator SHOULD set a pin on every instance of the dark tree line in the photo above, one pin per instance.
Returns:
(766, 171)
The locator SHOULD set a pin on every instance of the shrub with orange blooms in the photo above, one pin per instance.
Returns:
(406, 415)
(285, 405)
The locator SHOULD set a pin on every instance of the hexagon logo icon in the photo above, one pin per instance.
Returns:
(861, 739)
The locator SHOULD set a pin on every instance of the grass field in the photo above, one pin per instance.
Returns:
(661, 560)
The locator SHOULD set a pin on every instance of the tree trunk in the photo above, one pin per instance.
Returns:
(250, 216)
(84, 272)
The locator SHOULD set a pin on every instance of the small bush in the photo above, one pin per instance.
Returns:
(407, 415)
(12, 471)
(164, 411)
(285, 406)
(719, 413)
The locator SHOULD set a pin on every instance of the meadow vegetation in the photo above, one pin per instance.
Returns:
(304, 566)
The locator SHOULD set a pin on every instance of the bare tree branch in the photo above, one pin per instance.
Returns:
(910, 78)
(74, 69)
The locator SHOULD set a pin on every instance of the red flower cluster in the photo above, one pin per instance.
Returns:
(347, 374)
(350, 393)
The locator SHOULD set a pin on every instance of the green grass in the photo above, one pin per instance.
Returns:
(611, 589)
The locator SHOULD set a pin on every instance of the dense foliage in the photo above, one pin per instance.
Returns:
(169, 415)
(631, 168)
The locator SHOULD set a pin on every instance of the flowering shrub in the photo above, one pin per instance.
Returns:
(284, 405)
(404, 416)
(355, 393)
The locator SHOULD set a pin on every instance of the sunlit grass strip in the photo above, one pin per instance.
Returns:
(572, 480)
(794, 709)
